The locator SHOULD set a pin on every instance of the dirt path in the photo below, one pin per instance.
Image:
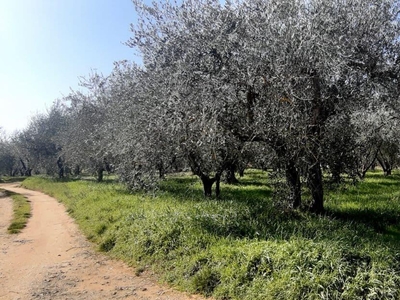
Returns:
(51, 259)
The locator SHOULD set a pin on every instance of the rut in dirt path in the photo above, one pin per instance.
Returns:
(51, 259)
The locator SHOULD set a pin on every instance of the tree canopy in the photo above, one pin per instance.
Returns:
(301, 87)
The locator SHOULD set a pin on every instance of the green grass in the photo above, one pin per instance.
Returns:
(243, 246)
(21, 212)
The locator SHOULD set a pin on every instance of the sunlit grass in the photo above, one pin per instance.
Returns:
(374, 202)
(242, 246)
(21, 212)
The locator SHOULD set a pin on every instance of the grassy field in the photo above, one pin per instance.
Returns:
(243, 246)
(21, 211)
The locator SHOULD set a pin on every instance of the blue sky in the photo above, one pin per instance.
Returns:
(45, 45)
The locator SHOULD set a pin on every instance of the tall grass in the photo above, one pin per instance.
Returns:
(243, 246)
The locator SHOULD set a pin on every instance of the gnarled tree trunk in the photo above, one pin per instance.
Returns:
(60, 166)
(100, 172)
(230, 174)
(315, 184)
(293, 180)
(314, 172)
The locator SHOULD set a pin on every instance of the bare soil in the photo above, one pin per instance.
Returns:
(50, 259)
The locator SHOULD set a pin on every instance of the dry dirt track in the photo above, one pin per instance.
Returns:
(51, 259)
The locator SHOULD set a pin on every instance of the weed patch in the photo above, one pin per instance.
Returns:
(21, 212)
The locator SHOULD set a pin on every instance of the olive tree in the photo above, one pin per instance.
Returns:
(143, 149)
(376, 138)
(275, 72)
(8, 158)
(37, 146)
(86, 140)
(178, 47)
(327, 58)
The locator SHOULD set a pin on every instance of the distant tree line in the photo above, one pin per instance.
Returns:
(302, 88)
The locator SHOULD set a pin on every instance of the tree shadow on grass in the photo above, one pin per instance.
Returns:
(12, 179)
(378, 220)
(190, 188)
(244, 183)
(84, 178)
(247, 211)
(374, 203)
